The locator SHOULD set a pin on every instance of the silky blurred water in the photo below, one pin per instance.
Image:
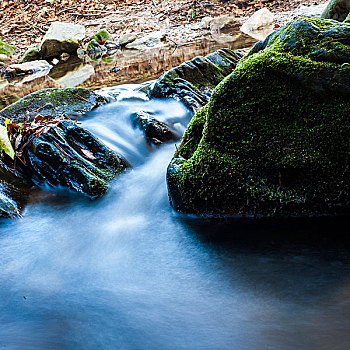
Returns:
(127, 272)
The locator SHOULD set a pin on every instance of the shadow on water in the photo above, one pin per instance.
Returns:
(319, 232)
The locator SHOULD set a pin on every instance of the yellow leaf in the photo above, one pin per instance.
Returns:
(5, 144)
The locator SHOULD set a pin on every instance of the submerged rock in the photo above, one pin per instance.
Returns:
(274, 138)
(61, 37)
(155, 131)
(193, 81)
(76, 76)
(51, 102)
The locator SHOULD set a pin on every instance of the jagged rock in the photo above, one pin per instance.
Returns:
(60, 153)
(70, 156)
(48, 102)
(155, 131)
(151, 40)
(61, 37)
(127, 38)
(274, 138)
(193, 81)
(337, 9)
(14, 194)
(27, 68)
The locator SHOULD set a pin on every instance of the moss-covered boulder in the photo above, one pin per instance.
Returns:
(51, 102)
(274, 138)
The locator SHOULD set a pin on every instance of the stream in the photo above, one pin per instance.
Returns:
(127, 272)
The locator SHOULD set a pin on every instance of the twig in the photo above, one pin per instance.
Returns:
(329, 41)
(82, 98)
(178, 149)
(172, 41)
(62, 150)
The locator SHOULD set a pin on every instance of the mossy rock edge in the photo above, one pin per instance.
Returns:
(52, 102)
(274, 138)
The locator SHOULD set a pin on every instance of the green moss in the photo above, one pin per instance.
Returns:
(6, 49)
(101, 37)
(275, 134)
(31, 54)
(54, 102)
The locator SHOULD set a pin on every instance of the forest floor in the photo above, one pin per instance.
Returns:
(24, 23)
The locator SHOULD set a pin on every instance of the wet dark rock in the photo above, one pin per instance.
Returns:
(274, 138)
(192, 82)
(65, 155)
(52, 102)
(70, 156)
(155, 131)
(14, 194)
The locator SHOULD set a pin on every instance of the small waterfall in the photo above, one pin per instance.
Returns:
(127, 272)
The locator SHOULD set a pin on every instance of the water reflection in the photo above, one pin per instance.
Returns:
(126, 66)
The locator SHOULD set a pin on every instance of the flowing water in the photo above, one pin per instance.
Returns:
(127, 272)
